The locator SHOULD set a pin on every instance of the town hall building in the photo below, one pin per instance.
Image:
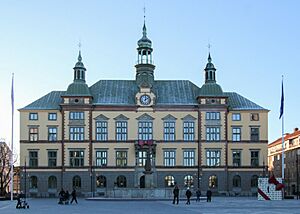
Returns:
(137, 138)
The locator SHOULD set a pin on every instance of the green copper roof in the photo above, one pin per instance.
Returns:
(211, 89)
(122, 92)
(78, 88)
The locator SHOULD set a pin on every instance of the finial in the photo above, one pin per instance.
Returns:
(144, 27)
(209, 57)
(79, 56)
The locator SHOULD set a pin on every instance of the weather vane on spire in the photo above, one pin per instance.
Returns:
(144, 12)
(209, 46)
(79, 45)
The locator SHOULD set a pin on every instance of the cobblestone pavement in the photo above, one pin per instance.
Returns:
(218, 205)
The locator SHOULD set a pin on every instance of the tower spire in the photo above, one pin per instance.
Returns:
(210, 71)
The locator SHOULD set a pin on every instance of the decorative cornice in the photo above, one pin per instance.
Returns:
(145, 117)
(188, 117)
(101, 117)
(121, 117)
(169, 117)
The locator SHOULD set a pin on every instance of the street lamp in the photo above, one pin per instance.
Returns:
(297, 170)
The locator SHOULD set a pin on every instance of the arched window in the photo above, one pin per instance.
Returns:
(121, 181)
(52, 182)
(169, 181)
(236, 181)
(188, 181)
(101, 181)
(76, 182)
(213, 181)
(33, 182)
(254, 181)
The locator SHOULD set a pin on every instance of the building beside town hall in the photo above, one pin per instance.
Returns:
(136, 138)
(291, 160)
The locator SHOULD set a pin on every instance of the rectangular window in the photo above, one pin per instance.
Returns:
(33, 116)
(76, 115)
(188, 130)
(236, 134)
(33, 134)
(254, 117)
(169, 131)
(254, 134)
(189, 158)
(255, 158)
(33, 159)
(212, 116)
(101, 130)
(52, 157)
(52, 116)
(145, 130)
(121, 130)
(52, 133)
(213, 133)
(142, 156)
(213, 157)
(101, 158)
(236, 117)
(236, 158)
(76, 133)
(169, 158)
(76, 158)
(121, 158)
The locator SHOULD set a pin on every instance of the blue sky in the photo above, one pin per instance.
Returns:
(253, 43)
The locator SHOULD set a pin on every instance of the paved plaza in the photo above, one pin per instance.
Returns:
(218, 205)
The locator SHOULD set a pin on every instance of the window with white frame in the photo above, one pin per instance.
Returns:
(213, 157)
(76, 133)
(33, 116)
(121, 158)
(52, 134)
(101, 158)
(236, 134)
(33, 134)
(76, 115)
(254, 132)
(188, 158)
(52, 116)
(236, 117)
(76, 158)
(101, 131)
(121, 130)
(188, 130)
(145, 130)
(212, 116)
(141, 160)
(52, 158)
(236, 158)
(169, 130)
(169, 158)
(213, 133)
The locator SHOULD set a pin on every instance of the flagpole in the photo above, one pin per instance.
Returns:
(12, 142)
(282, 129)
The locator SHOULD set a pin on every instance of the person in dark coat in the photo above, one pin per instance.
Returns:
(198, 194)
(19, 204)
(188, 194)
(176, 194)
(61, 196)
(208, 195)
(74, 196)
(67, 196)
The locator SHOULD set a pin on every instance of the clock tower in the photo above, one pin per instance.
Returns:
(145, 71)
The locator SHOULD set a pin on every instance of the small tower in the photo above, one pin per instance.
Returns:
(210, 71)
(78, 87)
(144, 66)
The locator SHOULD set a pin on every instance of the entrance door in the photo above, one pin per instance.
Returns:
(142, 181)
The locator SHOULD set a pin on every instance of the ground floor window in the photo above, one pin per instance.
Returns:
(121, 181)
(188, 181)
(101, 181)
(169, 181)
(52, 182)
(33, 182)
(254, 181)
(76, 182)
(213, 181)
(236, 181)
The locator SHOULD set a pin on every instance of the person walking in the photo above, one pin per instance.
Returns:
(176, 194)
(188, 194)
(198, 194)
(208, 195)
(74, 196)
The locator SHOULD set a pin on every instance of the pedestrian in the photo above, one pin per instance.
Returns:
(19, 204)
(198, 194)
(67, 197)
(74, 196)
(61, 196)
(188, 194)
(208, 195)
(176, 194)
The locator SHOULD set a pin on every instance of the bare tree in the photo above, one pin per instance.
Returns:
(5, 168)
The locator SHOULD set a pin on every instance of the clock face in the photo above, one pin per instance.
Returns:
(145, 99)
